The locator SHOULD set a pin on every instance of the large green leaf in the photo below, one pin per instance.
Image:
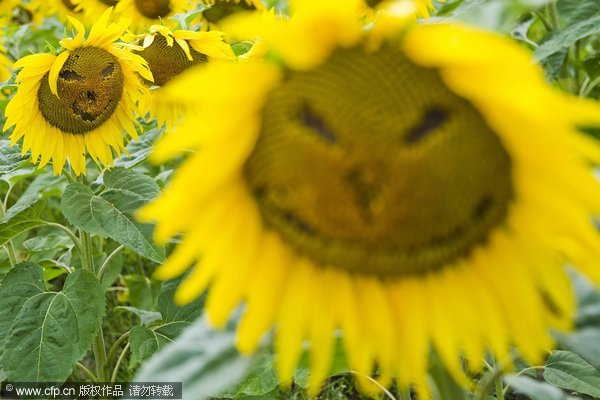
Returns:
(567, 370)
(44, 333)
(21, 222)
(171, 311)
(145, 341)
(583, 342)
(12, 164)
(205, 361)
(139, 150)
(261, 379)
(110, 213)
(536, 390)
(584, 21)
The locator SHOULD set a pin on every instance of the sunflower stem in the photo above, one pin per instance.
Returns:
(87, 372)
(69, 233)
(115, 347)
(87, 261)
(12, 257)
(499, 387)
(113, 377)
(106, 262)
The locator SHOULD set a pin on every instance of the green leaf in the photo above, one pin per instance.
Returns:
(44, 333)
(10, 159)
(567, 370)
(138, 150)
(47, 243)
(446, 386)
(206, 361)
(588, 301)
(145, 341)
(111, 213)
(146, 317)
(585, 21)
(534, 389)
(21, 222)
(173, 312)
(261, 379)
(592, 66)
(142, 291)
(584, 343)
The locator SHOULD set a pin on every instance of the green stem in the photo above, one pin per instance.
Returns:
(87, 372)
(553, 17)
(10, 250)
(588, 89)
(499, 388)
(113, 377)
(106, 262)
(69, 233)
(100, 356)
(87, 261)
(115, 347)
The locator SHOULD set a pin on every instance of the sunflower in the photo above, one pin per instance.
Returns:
(5, 64)
(79, 100)
(62, 9)
(169, 53)
(422, 8)
(93, 8)
(144, 13)
(217, 10)
(407, 197)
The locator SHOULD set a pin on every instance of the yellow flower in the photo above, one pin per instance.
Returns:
(422, 7)
(168, 54)
(218, 10)
(79, 100)
(144, 13)
(424, 193)
(5, 63)
(92, 8)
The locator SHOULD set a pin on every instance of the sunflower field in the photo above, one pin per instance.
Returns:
(300, 199)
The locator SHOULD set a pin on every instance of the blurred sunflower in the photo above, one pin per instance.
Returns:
(144, 13)
(422, 8)
(218, 10)
(80, 100)
(169, 53)
(93, 8)
(424, 193)
(63, 10)
(5, 63)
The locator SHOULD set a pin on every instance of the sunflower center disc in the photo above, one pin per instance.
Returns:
(90, 85)
(225, 8)
(153, 9)
(371, 164)
(69, 4)
(166, 61)
(373, 3)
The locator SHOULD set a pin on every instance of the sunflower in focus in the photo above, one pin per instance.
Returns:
(168, 54)
(80, 100)
(218, 10)
(144, 13)
(406, 197)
